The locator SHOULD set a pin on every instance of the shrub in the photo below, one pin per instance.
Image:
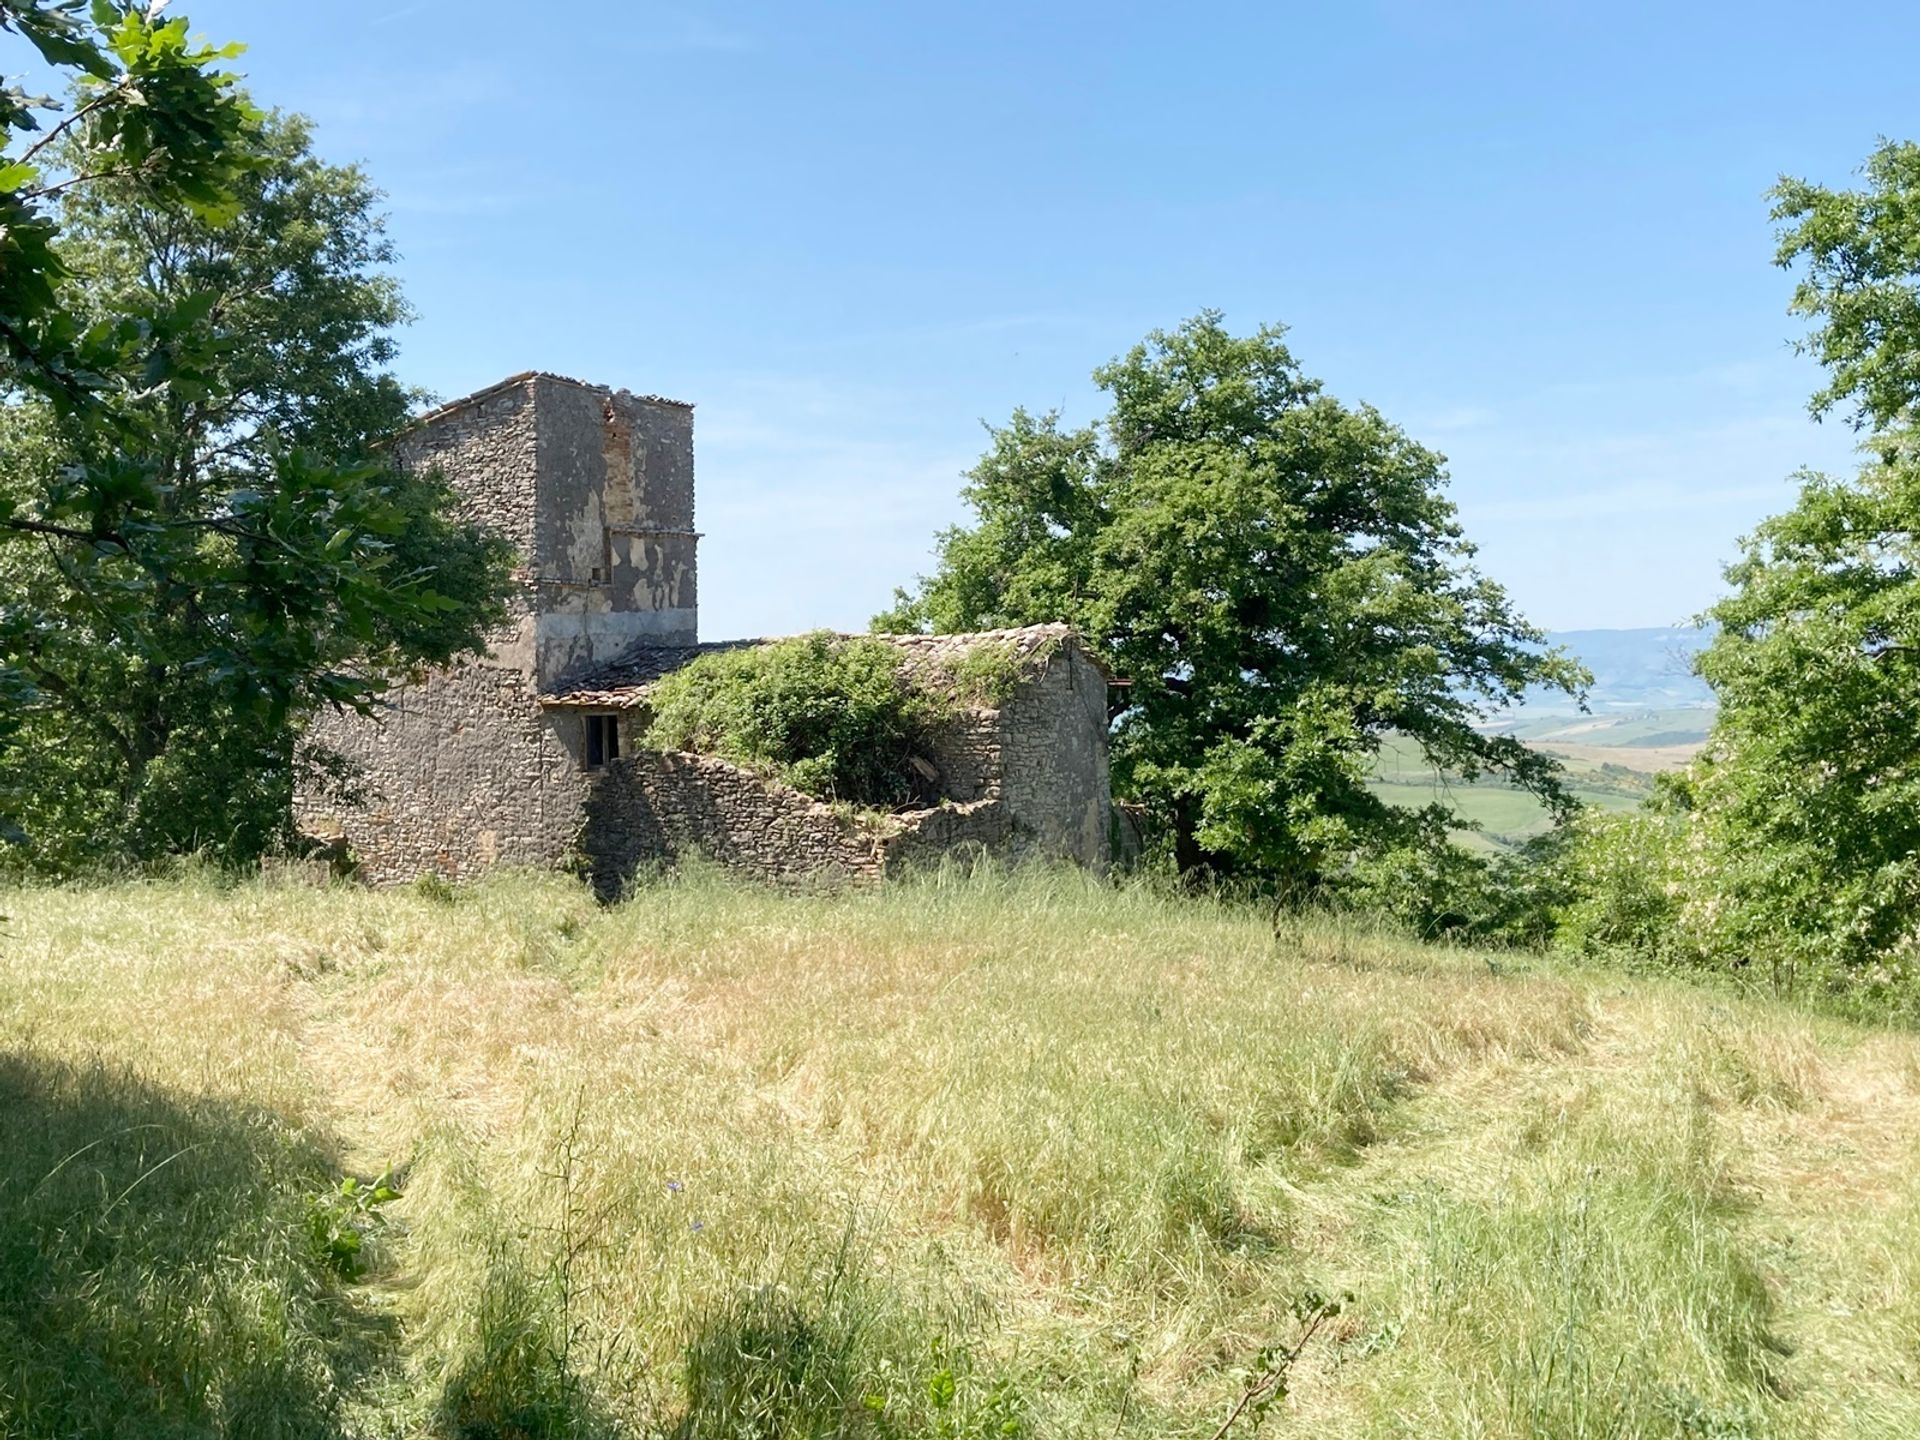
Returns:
(831, 716)
(1444, 891)
(987, 674)
(1624, 880)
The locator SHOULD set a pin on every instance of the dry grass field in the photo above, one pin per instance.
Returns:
(971, 1157)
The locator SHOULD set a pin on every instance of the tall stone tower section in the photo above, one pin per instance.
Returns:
(594, 489)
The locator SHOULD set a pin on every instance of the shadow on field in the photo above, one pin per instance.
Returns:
(765, 1366)
(157, 1271)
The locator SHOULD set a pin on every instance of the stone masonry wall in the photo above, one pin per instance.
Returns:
(661, 805)
(467, 769)
(1028, 779)
(965, 754)
(460, 772)
(1050, 761)
(656, 806)
(485, 450)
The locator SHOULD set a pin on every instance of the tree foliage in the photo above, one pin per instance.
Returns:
(1282, 578)
(1806, 813)
(1792, 849)
(199, 544)
(1860, 283)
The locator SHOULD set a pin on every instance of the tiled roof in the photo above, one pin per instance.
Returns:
(624, 683)
(928, 658)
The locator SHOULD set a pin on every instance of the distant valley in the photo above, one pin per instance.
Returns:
(1646, 713)
(1649, 669)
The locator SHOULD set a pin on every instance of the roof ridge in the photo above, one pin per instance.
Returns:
(487, 392)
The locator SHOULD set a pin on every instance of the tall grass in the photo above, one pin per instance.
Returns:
(975, 1155)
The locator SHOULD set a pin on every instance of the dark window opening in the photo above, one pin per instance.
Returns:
(603, 740)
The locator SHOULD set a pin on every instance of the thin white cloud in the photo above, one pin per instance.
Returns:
(946, 330)
(817, 497)
(1633, 499)
(395, 16)
(423, 104)
(457, 190)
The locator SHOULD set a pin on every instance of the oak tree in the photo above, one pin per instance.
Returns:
(1284, 581)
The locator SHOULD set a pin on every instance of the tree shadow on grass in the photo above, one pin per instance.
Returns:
(158, 1275)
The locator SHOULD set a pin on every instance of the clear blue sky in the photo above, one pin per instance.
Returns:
(1534, 233)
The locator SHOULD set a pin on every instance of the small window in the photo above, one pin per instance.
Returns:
(603, 740)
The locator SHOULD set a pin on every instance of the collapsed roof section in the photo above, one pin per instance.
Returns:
(930, 661)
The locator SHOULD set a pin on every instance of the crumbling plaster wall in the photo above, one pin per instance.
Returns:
(613, 537)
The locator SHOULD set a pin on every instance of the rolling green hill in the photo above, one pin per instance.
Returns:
(1610, 763)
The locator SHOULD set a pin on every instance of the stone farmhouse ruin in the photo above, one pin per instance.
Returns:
(531, 755)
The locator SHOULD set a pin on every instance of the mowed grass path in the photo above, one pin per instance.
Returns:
(970, 1157)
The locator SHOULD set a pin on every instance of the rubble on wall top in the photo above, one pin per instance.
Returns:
(623, 684)
(489, 391)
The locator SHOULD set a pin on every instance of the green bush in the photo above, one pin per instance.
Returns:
(831, 716)
(1624, 884)
(1441, 891)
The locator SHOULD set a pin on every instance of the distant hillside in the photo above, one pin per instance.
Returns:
(1647, 713)
(1634, 669)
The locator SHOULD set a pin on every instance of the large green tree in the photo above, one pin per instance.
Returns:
(1807, 803)
(1284, 581)
(199, 544)
(1803, 836)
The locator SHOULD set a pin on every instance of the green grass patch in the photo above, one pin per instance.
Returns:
(976, 1155)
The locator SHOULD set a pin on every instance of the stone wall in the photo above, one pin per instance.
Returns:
(925, 838)
(457, 773)
(658, 807)
(965, 754)
(594, 490)
(661, 805)
(467, 769)
(485, 448)
(1050, 740)
(1026, 780)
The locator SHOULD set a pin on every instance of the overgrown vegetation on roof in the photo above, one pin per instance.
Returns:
(987, 673)
(833, 716)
